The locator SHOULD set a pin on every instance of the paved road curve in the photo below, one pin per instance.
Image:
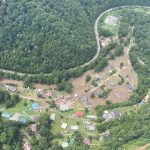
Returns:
(97, 40)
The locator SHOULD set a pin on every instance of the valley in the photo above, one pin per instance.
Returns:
(103, 107)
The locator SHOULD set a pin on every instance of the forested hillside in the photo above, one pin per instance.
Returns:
(42, 36)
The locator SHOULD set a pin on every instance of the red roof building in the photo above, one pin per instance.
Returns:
(79, 114)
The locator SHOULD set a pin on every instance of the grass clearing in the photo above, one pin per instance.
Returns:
(22, 110)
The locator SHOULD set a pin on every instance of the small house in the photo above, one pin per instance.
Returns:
(85, 100)
(104, 135)
(53, 116)
(91, 127)
(64, 107)
(64, 125)
(112, 115)
(6, 115)
(79, 114)
(116, 114)
(91, 117)
(87, 122)
(12, 89)
(23, 120)
(35, 118)
(35, 106)
(87, 141)
(14, 118)
(67, 97)
(27, 147)
(74, 127)
(34, 128)
(65, 145)
(97, 79)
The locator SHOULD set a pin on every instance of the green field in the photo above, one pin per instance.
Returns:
(22, 110)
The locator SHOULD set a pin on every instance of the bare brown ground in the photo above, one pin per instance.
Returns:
(119, 93)
(143, 147)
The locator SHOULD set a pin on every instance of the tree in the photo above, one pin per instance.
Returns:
(119, 50)
(43, 144)
(88, 78)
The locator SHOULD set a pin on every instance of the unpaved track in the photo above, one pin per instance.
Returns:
(97, 40)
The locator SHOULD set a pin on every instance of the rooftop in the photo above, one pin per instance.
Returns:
(35, 106)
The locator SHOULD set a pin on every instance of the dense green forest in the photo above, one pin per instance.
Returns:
(8, 100)
(10, 136)
(42, 36)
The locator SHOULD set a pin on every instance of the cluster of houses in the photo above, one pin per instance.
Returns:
(86, 141)
(64, 103)
(111, 115)
(14, 117)
(86, 122)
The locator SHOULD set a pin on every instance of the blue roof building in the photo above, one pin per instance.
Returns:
(23, 120)
(6, 115)
(35, 106)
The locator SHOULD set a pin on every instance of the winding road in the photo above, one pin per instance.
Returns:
(97, 41)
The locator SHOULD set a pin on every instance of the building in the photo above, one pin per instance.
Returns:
(104, 135)
(87, 141)
(111, 20)
(64, 107)
(35, 106)
(53, 116)
(79, 114)
(74, 127)
(112, 115)
(6, 115)
(14, 118)
(85, 100)
(35, 118)
(97, 79)
(91, 117)
(23, 120)
(67, 97)
(65, 145)
(64, 125)
(34, 128)
(27, 147)
(12, 89)
(87, 122)
(91, 127)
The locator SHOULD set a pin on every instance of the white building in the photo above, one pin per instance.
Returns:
(74, 127)
(111, 20)
(64, 125)
(14, 118)
(64, 107)
(91, 117)
(91, 127)
(53, 116)
(65, 145)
